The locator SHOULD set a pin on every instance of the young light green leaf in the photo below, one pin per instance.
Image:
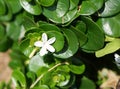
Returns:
(77, 69)
(36, 63)
(109, 48)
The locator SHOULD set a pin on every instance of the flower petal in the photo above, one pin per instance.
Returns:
(44, 37)
(50, 48)
(51, 40)
(38, 44)
(43, 51)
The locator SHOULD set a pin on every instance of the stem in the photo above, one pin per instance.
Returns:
(33, 52)
(38, 79)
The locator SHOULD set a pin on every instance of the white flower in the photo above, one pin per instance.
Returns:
(45, 44)
(117, 58)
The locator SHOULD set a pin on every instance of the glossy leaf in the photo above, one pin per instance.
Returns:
(73, 4)
(31, 7)
(62, 7)
(72, 42)
(94, 34)
(46, 2)
(109, 48)
(110, 8)
(55, 18)
(36, 62)
(19, 78)
(85, 83)
(110, 25)
(89, 7)
(82, 38)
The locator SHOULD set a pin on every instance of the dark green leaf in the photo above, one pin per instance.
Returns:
(87, 83)
(111, 8)
(73, 4)
(31, 7)
(52, 15)
(110, 25)
(5, 43)
(94, 34)
(2, 32)
(46, 2)
(82, 38)
(72, 42)
(49, 27)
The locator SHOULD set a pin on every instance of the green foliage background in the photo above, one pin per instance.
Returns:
(81, 28)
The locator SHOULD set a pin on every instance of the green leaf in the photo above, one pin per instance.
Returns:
(89, 7)
(26, 48)
(49, 27)
(94, 34)
(52, 14)
(5, 43)
(85, 83)
(59, 42)
(8, 15)
(2, 32)
(110, 8)
(77, 69)
(82, 38)
(36, 63)
(31, 7)
(28, 21)
(110, 25)
(72, 42)
(62, 7)
(2, 7)
(109, 48)
(15, 5)
(13, 30)
(41, 87)
(80, 25)
(46, 2)
(73, 4)
(19, 78)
